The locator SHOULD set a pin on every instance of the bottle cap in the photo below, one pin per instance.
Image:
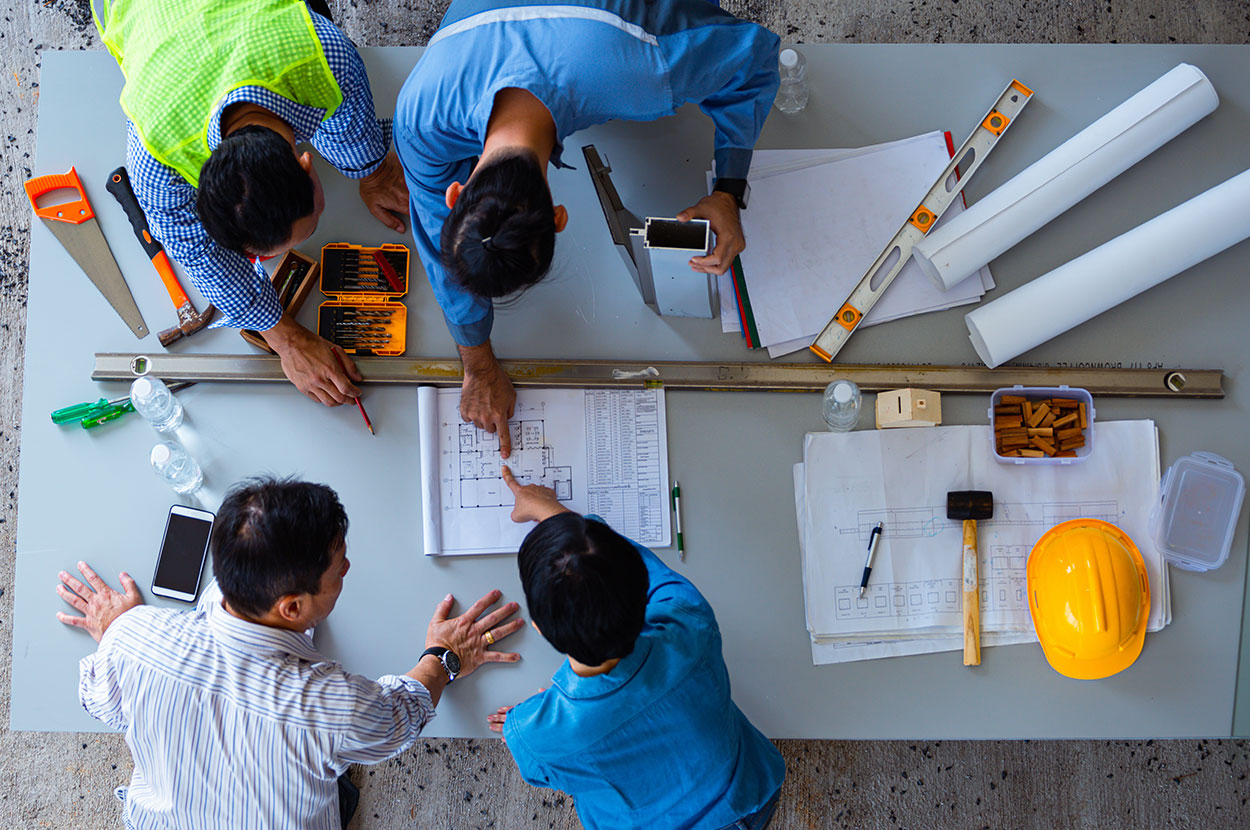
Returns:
(161, 454)
(842, 393)
(141, 388)
(789, 57)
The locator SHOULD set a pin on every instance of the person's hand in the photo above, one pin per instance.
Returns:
(466, 634)
(495, 720)
(721, 211)
(99, 604)
(533, 501)
(384, 190)
(317, 367)
(487, 399)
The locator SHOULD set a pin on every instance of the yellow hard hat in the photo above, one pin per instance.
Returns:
(1089, 597)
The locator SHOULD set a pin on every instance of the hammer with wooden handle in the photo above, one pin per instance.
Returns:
(189, 320)
(970, 505)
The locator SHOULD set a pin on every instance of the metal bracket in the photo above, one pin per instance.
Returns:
(708, 376)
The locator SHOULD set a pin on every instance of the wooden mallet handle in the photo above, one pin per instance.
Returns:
(972, 596)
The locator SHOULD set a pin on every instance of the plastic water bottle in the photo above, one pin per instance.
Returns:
(177, 468)
(841, 405)
(792, 94)
(153, 400)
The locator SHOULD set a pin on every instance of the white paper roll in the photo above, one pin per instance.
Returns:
(1112, 273)
(1066, 175)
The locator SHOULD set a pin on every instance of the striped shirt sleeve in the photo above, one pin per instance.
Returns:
(99, 681)
(389, 716)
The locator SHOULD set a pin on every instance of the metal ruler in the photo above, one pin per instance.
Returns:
(711, 376)
(898, 250)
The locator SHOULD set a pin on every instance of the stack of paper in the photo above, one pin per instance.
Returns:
(817, 220)
(850, 481)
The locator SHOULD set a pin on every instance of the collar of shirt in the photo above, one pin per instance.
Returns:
(575, 686)
(303, 120)
(261, 639)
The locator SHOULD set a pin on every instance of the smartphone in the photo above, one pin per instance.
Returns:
(183, 551)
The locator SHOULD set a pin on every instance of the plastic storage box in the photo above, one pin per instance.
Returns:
(1196, 515)
(1074, 392)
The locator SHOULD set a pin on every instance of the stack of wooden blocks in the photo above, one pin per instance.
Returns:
(1039, 427)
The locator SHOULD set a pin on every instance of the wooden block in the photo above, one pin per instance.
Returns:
(1012, 399)
(1042, 444)
(1008, 423)
(1049, 419)
(1065, 434)
(1065, 403)
(1080, 408)
(1065, 454)
(1072, 443)
(1038, 414)
(1031, 453)
(908, 408)
(1027, 409)
(1070, 418)
(1043, 431)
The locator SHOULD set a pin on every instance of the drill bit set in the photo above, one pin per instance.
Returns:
(363, 314)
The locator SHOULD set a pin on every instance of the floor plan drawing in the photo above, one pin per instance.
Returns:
(532, 461)
(603, 452)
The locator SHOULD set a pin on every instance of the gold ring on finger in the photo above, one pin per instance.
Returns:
(490, 638)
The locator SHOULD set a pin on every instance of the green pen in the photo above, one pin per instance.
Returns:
(681, 545)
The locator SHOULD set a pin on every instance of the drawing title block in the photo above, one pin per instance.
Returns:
(908, 408)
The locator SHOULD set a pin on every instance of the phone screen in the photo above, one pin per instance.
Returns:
(182, 553)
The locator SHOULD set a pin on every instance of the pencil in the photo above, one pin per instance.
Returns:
(359, 405)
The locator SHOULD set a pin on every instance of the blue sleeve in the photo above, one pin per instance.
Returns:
(469, 318)
(533, 772)
(352, 139)
(241, 291)
(730, 70)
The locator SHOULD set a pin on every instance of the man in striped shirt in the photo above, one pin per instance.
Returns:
(233, 717)
(219, 95)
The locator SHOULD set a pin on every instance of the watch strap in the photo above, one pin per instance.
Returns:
(439, 652)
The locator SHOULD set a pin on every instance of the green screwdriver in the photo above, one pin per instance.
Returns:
(93, 413)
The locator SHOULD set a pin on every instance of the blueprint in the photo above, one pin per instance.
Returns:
(602, 451)
(900, 478)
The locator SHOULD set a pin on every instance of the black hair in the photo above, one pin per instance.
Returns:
(500, 236)
(274, 537)
(252, 190)
(586, 587)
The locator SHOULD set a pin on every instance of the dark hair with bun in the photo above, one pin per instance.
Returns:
(500, 236)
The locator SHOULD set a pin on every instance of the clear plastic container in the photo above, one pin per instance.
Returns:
(175, 466)
(153, 400)
(792, 92)
(1075, 393)
(841, 405)
(1196, 516)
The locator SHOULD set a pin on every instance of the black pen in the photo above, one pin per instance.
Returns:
(872, 551)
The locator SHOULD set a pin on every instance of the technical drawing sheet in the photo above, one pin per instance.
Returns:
(603, 451)
(849, 482)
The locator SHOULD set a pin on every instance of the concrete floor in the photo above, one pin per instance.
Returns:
(65, 780)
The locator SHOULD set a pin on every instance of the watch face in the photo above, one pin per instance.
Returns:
(452, 662)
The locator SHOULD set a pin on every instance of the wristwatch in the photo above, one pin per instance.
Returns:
(740, 189)
(448, 658)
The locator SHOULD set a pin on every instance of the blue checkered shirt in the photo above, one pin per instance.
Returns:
(354, 140)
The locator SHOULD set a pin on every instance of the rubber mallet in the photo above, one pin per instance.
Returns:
(970, 506)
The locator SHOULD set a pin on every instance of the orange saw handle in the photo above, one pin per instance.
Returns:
(75, 212)
(119, 186)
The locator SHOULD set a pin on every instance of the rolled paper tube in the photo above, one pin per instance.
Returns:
(1112, 273)
(1066, 175)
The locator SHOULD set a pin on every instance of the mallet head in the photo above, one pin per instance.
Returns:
(969, 504)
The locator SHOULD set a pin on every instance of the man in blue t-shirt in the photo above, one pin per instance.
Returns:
(638, 724)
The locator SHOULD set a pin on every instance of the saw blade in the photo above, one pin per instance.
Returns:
(86, 244)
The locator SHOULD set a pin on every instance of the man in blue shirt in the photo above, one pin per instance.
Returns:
(487, 107)
(638, 724)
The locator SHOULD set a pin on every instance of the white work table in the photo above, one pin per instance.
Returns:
(90, 494)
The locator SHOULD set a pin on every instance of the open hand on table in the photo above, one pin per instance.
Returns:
(466, 634)
(99, 603)
(721, 211)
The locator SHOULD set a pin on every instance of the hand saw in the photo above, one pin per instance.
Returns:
(74, 224)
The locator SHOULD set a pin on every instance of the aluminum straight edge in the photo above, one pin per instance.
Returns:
(708, 376)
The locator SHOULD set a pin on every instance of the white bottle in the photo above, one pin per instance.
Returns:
(177, 468)
(792, 94)
(153, 400)
(841, 405)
